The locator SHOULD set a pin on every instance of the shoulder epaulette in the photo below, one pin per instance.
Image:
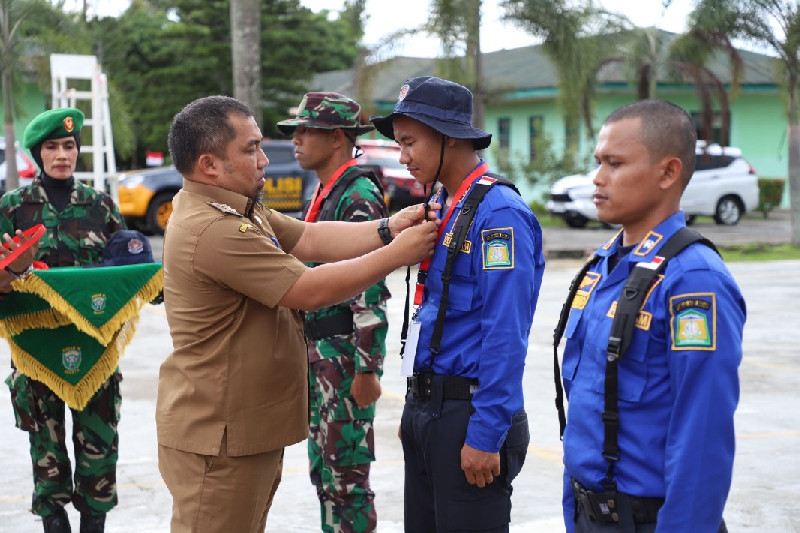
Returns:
(225, 208)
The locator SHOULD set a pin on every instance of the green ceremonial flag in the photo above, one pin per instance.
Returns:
(67, 327)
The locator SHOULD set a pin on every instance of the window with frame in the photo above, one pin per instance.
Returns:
(504, 133)
(535, 131)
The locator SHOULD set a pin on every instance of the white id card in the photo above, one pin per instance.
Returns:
(410, 351)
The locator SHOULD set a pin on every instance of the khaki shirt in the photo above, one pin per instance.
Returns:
(238, 361)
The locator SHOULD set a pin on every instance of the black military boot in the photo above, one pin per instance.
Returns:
(93, 523)
(57, 522)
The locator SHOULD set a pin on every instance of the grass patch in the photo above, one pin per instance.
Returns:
(759, 252)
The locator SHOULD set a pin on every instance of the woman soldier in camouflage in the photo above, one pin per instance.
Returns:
(79, 221)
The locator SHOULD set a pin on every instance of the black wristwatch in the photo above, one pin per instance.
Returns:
(384, 232)
(19, 275)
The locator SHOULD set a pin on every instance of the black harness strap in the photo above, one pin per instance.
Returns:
(459, 234)
(629, 304)
(558, 333)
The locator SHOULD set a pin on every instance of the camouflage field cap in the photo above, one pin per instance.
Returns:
(53, 124)
(328, 111)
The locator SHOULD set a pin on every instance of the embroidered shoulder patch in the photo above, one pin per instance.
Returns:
(497, 246)
(693, 321)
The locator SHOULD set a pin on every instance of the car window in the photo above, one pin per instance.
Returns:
(710, 162)
(279, 154)
(382, 158)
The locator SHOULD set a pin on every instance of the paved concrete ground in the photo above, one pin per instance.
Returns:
(766, 489)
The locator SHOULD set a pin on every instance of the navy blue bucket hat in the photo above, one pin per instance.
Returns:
(127, 247)
(443, 105)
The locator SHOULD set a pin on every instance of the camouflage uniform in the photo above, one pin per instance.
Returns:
(75, 236)
(341, 445)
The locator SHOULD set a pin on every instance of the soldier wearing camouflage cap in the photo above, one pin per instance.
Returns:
(79, 220)
(347, 341)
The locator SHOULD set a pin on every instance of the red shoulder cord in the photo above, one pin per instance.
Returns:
(316, 200)
(33, 235)
(457, 198)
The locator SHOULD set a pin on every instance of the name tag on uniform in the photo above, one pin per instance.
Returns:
(410, 351)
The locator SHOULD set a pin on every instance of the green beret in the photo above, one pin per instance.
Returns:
(53, 124)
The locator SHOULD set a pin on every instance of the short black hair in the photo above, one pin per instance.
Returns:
(666, 129)
(203, 127)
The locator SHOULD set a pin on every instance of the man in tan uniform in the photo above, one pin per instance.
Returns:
(234, 393)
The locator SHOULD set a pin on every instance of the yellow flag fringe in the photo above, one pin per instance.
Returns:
(104, 334)
(77, 396)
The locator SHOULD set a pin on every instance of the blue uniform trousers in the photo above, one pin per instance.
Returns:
(438, 498)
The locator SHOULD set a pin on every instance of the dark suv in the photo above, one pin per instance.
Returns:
(145, 196)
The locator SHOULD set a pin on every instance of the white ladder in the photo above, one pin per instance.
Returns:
(66, 68)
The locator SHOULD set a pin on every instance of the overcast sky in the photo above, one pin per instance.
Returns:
(388, 16)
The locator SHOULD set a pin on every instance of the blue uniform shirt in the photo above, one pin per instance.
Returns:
(678, 383)
(493, 293)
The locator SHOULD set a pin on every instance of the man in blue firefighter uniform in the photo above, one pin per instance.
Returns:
(678, 384)
(464, 429)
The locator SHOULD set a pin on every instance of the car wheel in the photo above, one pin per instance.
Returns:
(159, 212)
(574, 220)
(690, 219)
(729, 211)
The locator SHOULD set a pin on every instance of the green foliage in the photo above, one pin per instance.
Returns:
(760, 252)
(770, 194)
(160, 55)
(544, 169)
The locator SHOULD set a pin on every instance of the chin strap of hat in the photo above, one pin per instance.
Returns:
(352, 139)
(421, 274)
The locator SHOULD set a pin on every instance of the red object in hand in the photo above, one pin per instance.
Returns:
(33, 234)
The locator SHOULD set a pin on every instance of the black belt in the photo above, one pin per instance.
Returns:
(453, 387)
(328, 326)
(602, 507)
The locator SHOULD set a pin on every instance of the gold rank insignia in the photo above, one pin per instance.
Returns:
(466, 246)
(244, 227)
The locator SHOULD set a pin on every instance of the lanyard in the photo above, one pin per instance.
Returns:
(317, 199)
(465, 186)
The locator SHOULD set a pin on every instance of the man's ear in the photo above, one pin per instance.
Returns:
(208, 165)
(671, 173)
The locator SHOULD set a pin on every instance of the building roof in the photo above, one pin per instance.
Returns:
(529, 69)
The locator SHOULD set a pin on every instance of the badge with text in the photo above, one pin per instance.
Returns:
(498, 248)
(693, 321)
(410, 350)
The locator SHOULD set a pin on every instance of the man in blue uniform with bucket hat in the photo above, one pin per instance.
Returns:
(464, 428)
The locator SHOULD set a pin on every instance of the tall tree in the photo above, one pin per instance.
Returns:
(775, 25)
(457, 25)
(578, 39)
(9, 47)
(246, 52)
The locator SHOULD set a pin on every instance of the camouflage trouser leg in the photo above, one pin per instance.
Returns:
(340, 451)
(41, 413)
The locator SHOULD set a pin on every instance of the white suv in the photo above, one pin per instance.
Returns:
(723, 186)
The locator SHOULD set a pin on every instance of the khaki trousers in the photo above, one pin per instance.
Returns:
(213, 494)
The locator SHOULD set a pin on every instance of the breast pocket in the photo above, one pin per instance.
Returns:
(463, 284)
(569, 366)
(632, 368)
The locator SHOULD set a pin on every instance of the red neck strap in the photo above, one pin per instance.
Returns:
(465, 186)
(316, 200)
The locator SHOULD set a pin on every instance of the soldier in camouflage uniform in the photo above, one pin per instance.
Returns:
(79, 222)
(346, 341)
